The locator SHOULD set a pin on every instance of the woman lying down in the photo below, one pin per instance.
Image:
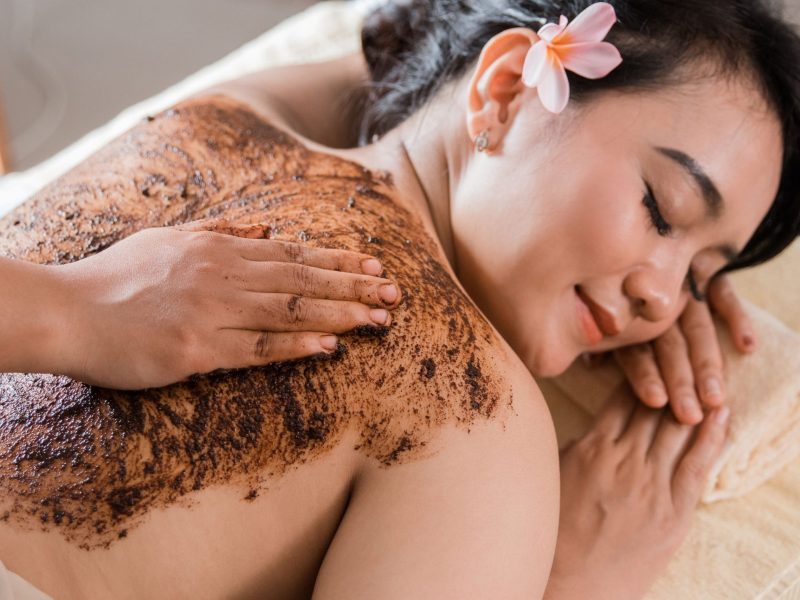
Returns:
(529, 217)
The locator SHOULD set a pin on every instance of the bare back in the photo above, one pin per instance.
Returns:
(88, 464)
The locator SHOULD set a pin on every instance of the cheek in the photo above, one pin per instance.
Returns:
(608, 229)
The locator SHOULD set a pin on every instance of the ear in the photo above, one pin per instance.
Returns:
(497, 83)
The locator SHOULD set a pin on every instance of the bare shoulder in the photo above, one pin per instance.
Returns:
(477, 518)
(434, 389)
(319, 101)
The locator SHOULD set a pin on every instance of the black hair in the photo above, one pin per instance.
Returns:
(414, 47)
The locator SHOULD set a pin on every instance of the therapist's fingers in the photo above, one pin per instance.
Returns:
(313, 282)
(322, 258)
(725, 302)
(256, 231)
(672, 354)
(704, 352)
(237, 349)
(289, 312)
(251, 241)
(638, 363)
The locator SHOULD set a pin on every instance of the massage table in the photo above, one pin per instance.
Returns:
(742, 548)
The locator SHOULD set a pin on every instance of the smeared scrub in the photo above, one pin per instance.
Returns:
(90, 462)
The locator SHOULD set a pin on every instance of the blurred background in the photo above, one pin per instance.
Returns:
(68, 66)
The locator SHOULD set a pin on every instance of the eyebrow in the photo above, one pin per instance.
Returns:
(712, 197)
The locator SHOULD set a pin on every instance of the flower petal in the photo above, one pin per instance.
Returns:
(553, 85)
(550, 31)
(535, 63)
(592, 25)
(593, 60)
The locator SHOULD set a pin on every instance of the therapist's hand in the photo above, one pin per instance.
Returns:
(684, 366)
(167, 303)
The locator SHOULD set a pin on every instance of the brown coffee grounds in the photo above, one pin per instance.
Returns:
(90, 462)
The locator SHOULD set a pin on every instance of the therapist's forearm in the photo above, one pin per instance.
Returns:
(29, 317)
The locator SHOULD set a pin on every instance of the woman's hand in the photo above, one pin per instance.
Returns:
(629, 488)
(167, 303)
(684, 367)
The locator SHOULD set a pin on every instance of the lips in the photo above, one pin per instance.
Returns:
(602, 320)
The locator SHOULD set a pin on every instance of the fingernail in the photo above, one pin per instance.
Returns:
(656, 393)
(690, 409)
(371, 266)
(328, 342)
(712, 387)
(388, 293)
(379, 316)
(722, 415)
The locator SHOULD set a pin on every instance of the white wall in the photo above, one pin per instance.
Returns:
(68, 66)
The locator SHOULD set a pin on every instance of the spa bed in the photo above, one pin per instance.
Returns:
(742, 548)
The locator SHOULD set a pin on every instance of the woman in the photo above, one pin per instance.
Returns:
(422, 462)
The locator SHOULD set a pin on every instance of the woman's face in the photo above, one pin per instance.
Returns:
(579, 232)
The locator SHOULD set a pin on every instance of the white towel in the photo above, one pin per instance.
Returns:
(763, 392)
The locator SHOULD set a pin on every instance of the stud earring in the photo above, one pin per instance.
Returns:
(482, 141)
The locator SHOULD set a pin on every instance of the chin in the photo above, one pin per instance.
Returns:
(549, 362)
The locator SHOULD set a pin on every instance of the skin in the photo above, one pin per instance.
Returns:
(163, 293)
(682, 368)
(527, 288)
(509, 468)
(630, 486)
(551, 186)
(261, 481)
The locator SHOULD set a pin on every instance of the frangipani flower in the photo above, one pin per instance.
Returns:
(578, 47)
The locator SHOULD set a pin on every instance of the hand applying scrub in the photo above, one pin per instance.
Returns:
(167, 303)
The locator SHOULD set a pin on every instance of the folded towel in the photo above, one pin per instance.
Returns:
(763, 392)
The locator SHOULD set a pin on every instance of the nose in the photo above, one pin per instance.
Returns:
(655, 292)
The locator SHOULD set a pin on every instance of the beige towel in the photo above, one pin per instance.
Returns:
(13, 587)
(763, 394)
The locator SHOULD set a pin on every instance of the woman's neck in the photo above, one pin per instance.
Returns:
(425, 155)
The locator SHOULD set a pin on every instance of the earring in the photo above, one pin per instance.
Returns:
(482, 141)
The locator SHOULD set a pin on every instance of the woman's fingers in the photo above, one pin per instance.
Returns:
(321, 258)
(704, 352)
(726, 303)
(694, 467)
(639, 433)
(669, 443)
(639, 365)
(239, 348)
(289, 312)
(672, 354)
(313, 282)
(613, 418)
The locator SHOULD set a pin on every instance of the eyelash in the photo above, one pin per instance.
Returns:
(664, 229)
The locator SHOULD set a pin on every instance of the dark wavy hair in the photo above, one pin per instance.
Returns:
(414, 47)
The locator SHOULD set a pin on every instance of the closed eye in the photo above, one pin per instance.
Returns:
(663, 228)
